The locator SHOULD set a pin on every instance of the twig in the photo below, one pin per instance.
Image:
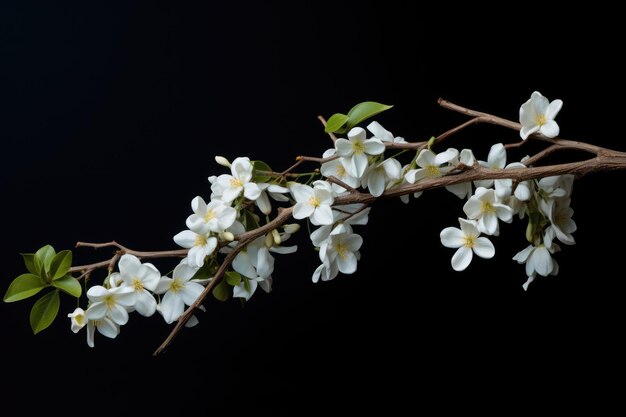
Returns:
(331, 134)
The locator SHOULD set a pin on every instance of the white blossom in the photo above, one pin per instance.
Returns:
(142, 278)
(338, 253)
(354, 151)
(335, 168)
(559, 212)
(110, 302)
(216, 216)
(467, 240)
(378, 176)
(313, 202)
(105, 326)
(383, 134)
(178, 291)
(431, 165)
(495, 160)
(200, 245)
(484, 208)
(464, 189)
(270, 190)
(228, 187)
(78, 319)
(537, 115)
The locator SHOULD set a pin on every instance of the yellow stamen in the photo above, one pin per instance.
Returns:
(235, 182)
(358, 148)
(541, 119)
(341, 171)
(176, 285)
(109, 301)
(342, 250)
(200, 240)
(488, 207)
(470, 241)
(137, 284)
(210, 214)
(432, 171)
(314, 201)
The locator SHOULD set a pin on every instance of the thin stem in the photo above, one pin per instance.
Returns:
(331, 134)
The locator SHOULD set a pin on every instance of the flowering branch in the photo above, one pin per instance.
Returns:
(227, 248)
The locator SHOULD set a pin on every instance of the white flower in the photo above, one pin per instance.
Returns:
(229, 187)
(484, 208)
(537, 115)
(200, 245)
(336, 169)
(78, 319)
(142, 278)
(355, 149)
(215, 217)
(344, 222)
(179, 291)
(495, 160)
(111, 303)
(430, 165)
(538, 258)
(341, 250)
(379, 175)
(560, 215)
(105, 326)
(313, 202)
(504, 186)
(467, 240)
(464, 189)
(405, 198)
(383, 134)
(272, 190)
(556, 186)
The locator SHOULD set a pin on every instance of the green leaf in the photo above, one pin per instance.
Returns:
(60, 265)
(44, 311)
(45, 256)
(24, 286)
(69, 284)
(364, 111)
(260, 171)
(31, 263)
(221, 291)
(206, 271)
(336, 122)
(233, 278)
(249, 221)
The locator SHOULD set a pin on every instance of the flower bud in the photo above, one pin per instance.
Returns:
(269, 240)
(291, 228)
(222, 161)
(276, 237)
(227, 236)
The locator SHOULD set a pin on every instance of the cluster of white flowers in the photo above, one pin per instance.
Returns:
(354, 163)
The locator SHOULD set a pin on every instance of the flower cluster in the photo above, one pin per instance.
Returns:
(241, 203)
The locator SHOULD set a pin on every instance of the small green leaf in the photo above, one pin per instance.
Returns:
(30, 262)
(60, 265)
(261, 171)
(221, 291)
(249, 221)
(45, 256)
(233, 278)
(336, 122)
(44, 311)
(24, 286)
(69, 284)
(206, 271)
(364, 111)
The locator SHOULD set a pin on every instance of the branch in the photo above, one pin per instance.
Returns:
(243, 240)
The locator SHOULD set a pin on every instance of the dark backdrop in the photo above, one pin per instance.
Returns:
(112, 113)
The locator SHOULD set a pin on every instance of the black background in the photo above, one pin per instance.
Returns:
(112, 113)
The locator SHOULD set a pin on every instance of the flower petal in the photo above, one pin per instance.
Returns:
(452, 237)
(302, 210)
(172, 306)
(145, 304)
(461, 258)
(550, 129)
(344, 148)
(190, 292)
(186, 239)
(347, 263)
(373, 147)
(553, 109)
(484, 248)
(322, 215)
